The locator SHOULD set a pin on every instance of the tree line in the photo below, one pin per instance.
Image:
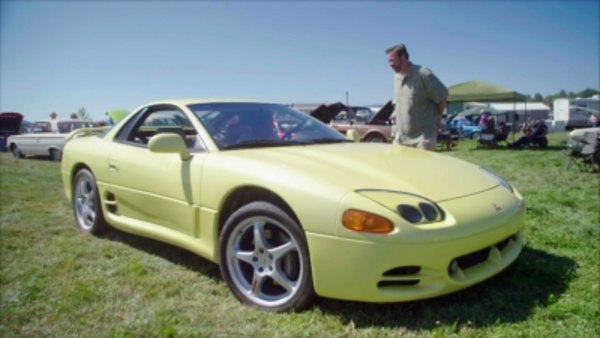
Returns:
(563, 94)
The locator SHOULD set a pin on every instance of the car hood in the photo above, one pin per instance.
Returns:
(325, 113)
(383, 115)
(10, 122)
(353, 166)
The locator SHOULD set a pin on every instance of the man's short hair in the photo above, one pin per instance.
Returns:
(398, 50)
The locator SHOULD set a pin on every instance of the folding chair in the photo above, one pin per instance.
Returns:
(584, 154)
(486, 139)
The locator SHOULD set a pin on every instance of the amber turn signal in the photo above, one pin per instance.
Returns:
(363, 221)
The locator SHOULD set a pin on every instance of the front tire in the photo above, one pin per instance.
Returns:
(16, 152)
(86, 204)
(264, 258)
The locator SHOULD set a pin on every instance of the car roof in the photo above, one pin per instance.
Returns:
(188, 101)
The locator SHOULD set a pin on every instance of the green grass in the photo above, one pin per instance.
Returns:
(57, 282)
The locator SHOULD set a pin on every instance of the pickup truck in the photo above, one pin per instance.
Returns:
(377, 128)
(46, 138)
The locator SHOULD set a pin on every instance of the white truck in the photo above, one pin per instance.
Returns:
(574, 113)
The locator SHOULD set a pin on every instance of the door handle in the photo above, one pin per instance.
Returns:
(113, 166)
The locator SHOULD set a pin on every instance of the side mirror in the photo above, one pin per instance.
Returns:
(169, 143)
(352, 135)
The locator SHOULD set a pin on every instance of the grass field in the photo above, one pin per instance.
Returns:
(56, 282)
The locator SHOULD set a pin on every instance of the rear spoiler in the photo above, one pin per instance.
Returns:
(82, 132)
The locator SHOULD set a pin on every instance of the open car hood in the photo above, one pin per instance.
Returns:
(10, 122)
(383, 115)
(325, 113)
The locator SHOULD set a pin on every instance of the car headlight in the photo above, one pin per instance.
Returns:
(498, 179)
(413, 208)
(419, 210)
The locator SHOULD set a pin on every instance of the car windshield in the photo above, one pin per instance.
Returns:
(253, 125)
(465, 123)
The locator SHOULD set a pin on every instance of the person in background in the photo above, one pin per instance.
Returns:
(420, 99)
(483, 121)
(594, 120)
(536, 135)
(502, 132)
(444, 136)
(53, 122)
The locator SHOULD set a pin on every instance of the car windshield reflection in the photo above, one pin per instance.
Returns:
(255, 125)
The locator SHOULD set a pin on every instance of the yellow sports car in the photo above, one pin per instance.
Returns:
(289, 208)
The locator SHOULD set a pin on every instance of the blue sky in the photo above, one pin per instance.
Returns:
(101, 55)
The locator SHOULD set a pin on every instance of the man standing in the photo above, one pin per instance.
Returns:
(420, 99)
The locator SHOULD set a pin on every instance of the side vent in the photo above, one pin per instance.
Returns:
(401, 276)
(111, 203)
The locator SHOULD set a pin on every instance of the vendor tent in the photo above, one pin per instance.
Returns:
(481, 91)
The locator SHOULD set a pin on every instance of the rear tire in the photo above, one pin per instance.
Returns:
(87, 206)
(264, 258)
(55, 155)
(375, 138)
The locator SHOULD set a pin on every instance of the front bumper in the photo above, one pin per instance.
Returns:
(435, 264)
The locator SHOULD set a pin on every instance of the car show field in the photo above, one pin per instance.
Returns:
(55, 281)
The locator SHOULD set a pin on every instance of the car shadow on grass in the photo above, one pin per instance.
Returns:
(503, 147)
(169, 252)
(536, 279)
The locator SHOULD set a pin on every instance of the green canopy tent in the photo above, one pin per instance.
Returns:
(117, 115)
(481, 91)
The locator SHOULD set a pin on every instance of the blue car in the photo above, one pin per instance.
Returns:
(464, 128)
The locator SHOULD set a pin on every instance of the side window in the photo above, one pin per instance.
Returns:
(41, 127)
(156, 120)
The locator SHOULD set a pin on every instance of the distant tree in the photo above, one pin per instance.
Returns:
(589, 92)
(548, 100)
(82, 114)
(538, 97)
(73, 116)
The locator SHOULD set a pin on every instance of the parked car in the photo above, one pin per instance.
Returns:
(377, 128)
(46, 138)
(464, 128)
(289, 208)
(576, 135)
(10, 124)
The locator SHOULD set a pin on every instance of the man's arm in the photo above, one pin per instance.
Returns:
(441, 106)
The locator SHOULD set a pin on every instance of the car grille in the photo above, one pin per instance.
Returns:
(458, 269)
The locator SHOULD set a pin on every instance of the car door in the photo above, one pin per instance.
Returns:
(29, 143)
(156, 188)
